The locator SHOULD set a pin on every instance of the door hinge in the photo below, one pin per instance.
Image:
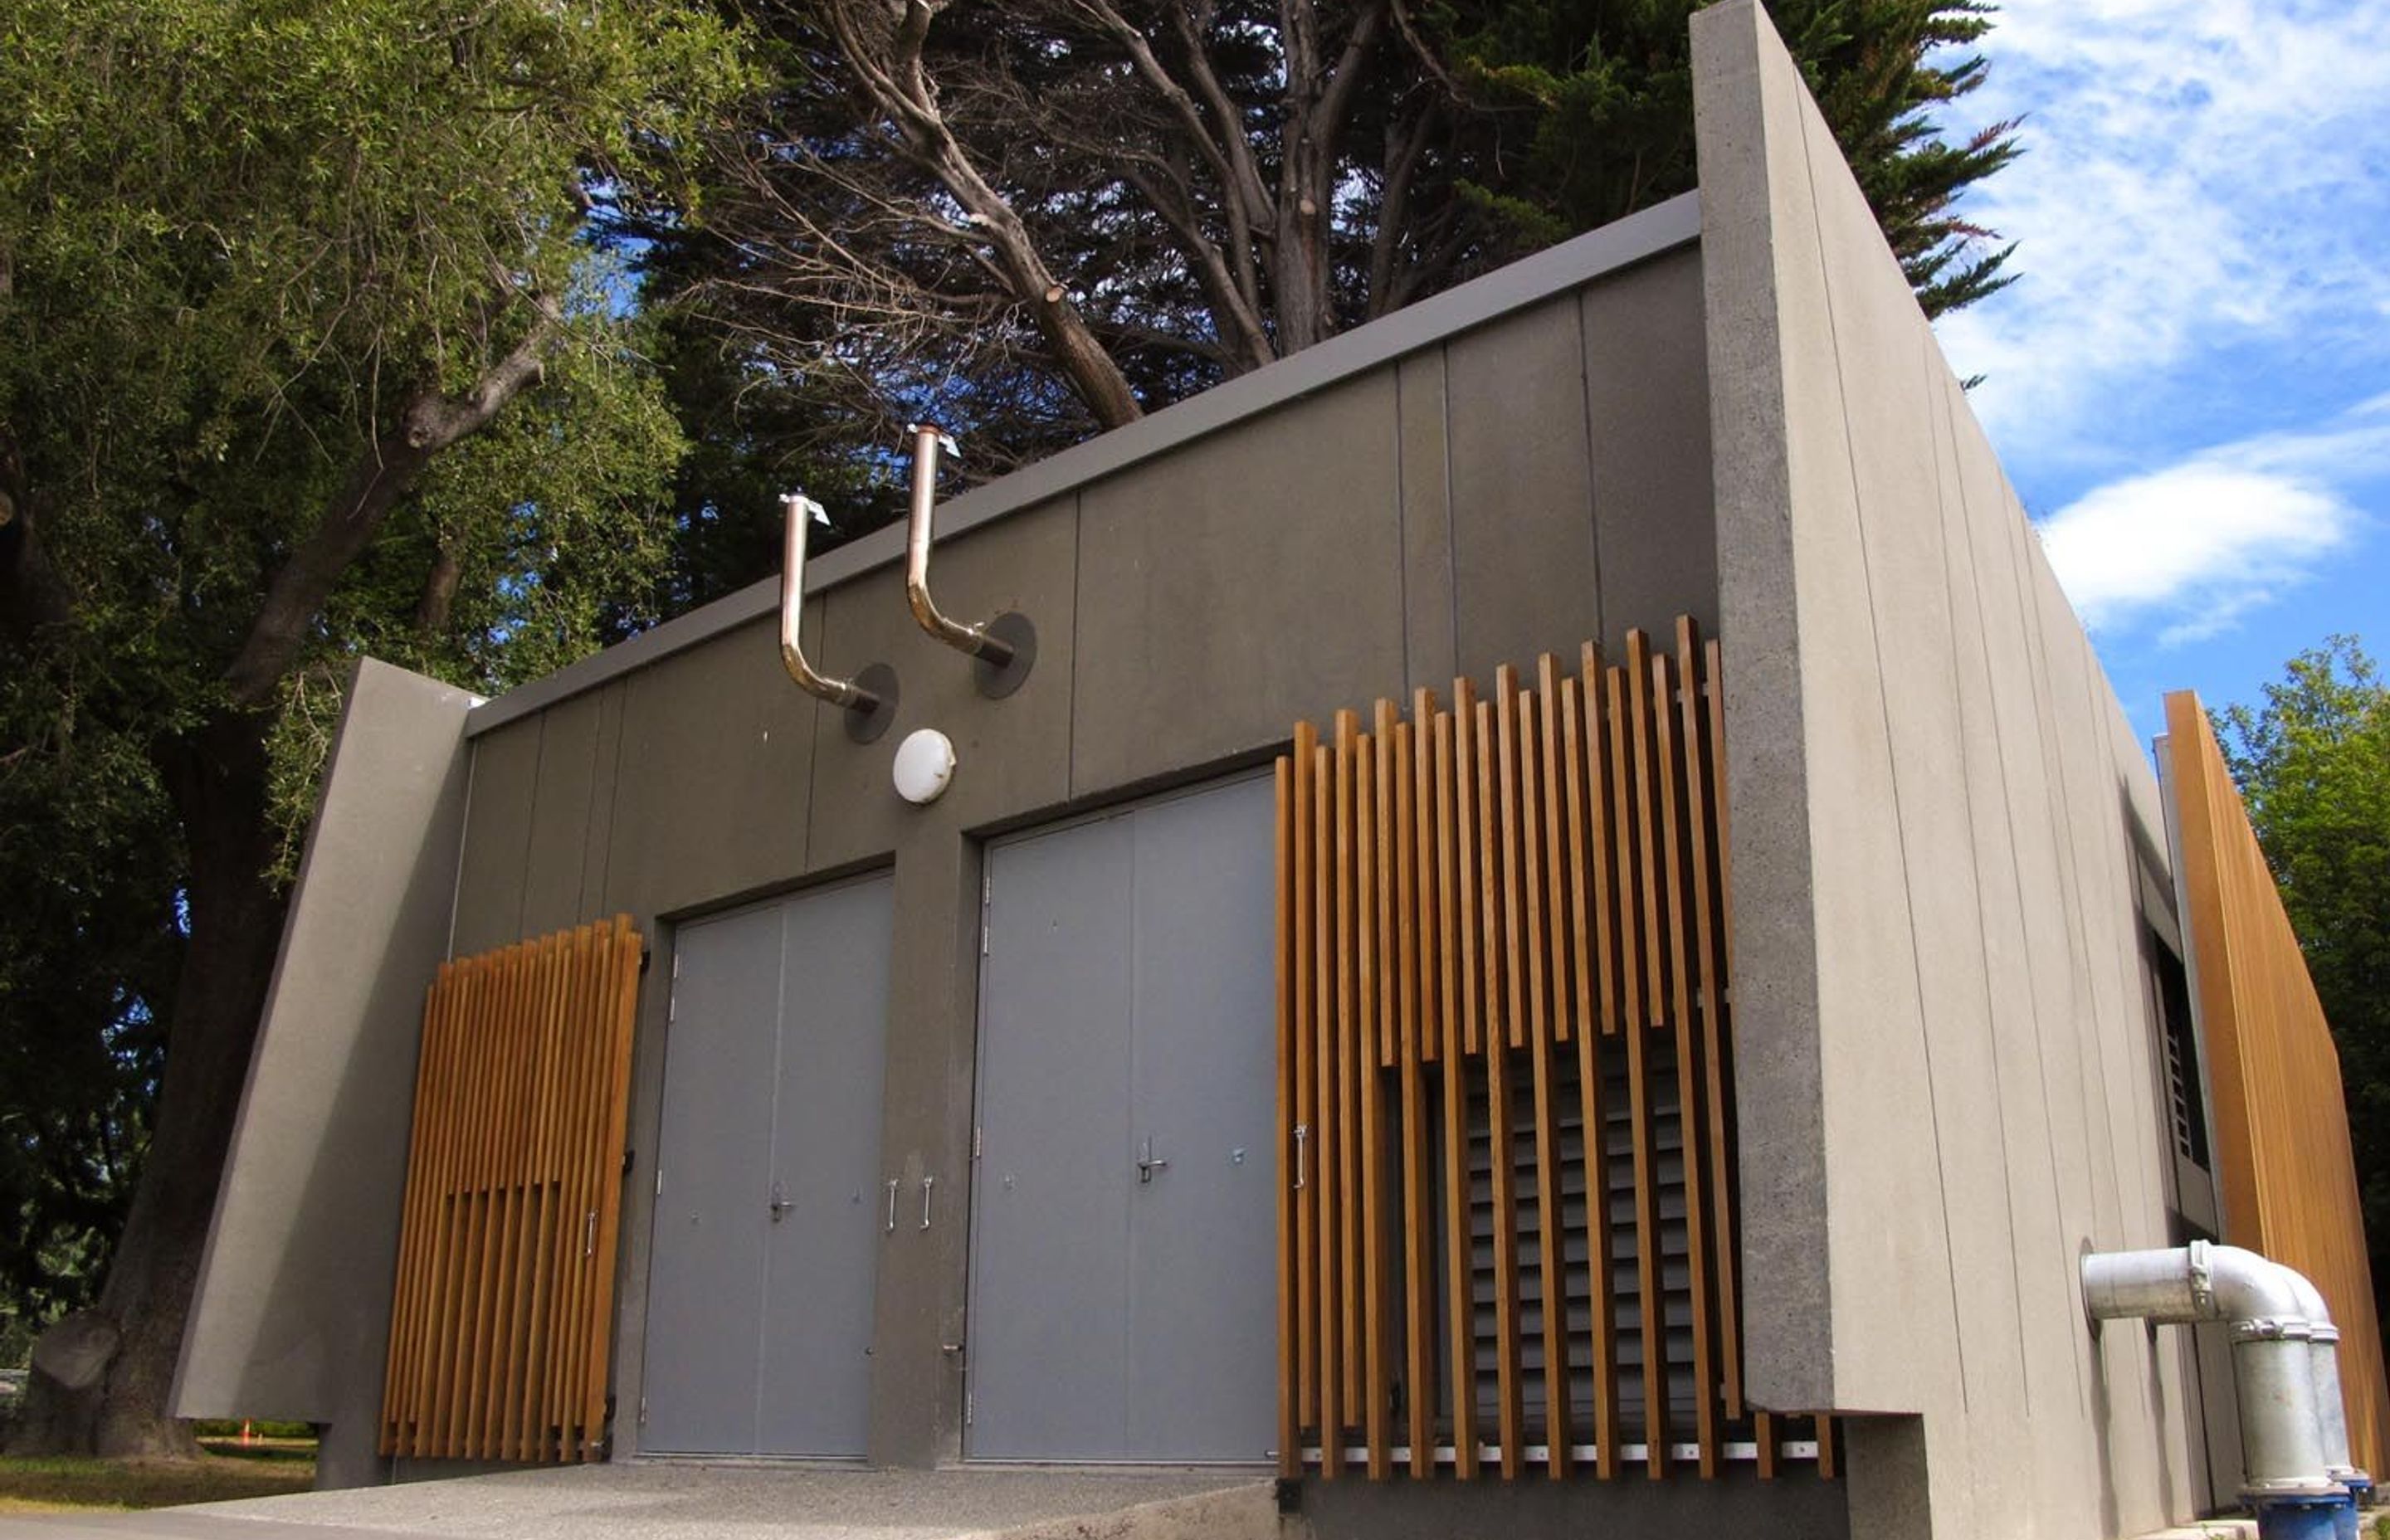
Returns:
(976, 1132)
(986, 907)
(675, 964)
(971, 1407)
(643, 1411)
(660, 1181)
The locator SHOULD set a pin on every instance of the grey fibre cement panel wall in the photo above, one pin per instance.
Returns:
(1568, 266)
(1936, 823)
(1370, 532)
(292, 1317)
(1250, 578)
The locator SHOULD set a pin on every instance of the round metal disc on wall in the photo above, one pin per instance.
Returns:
(925, 762)
(1011, 628)
(867, 726)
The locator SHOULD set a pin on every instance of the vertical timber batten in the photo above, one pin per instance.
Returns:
(2281, 1144)
(502, 1305)
(1502, 922)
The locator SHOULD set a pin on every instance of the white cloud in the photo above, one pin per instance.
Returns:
(2189, 549)
(2195, 177)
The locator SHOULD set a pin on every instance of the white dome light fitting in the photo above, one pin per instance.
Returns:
(925, 762)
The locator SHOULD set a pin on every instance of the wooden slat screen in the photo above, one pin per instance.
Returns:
(1507, 1226)
(2281, 1143)
(506, 1270)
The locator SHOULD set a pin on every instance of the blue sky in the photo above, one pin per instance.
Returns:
(2189, 381)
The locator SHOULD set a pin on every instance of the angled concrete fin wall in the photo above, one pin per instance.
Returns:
(1947, 1076)
(291, 1311)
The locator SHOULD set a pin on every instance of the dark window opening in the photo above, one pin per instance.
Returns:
(2186, 1109)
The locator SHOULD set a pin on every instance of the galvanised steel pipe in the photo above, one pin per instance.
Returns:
(2330, 1410)
(974, 639)
(2285, 1475)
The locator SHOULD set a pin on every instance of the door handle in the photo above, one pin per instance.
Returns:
(1147, 1165)
(927, 1184)
(779, 1204)
(892, 1205)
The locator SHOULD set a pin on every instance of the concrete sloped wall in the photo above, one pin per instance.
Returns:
(1948, 1079)
(290, 1316)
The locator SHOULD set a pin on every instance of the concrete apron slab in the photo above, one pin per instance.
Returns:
(684, 1500)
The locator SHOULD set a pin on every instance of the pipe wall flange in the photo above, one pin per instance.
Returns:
(1014, 630)
(867, 725)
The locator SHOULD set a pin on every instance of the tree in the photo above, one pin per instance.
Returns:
(1598, 96)
(2313, 763)
(306, 348)
(1051, 216)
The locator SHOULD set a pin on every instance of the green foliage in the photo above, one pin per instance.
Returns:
(241, 236)
(2313, 763)
(87, 962)
(240, 242)
(1591, 105)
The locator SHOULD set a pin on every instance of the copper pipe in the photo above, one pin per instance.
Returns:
(973, 639)
(799, 511)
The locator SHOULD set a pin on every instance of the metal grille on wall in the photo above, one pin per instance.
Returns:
(1507, 1227)
(505, 1268)
(2281, 1145)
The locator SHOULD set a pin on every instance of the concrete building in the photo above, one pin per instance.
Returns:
(971, 1131)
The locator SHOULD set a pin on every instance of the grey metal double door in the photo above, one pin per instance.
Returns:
(1123, 1280)
(767, 1223)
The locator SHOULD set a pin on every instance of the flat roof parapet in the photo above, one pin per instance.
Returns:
(1571, 264)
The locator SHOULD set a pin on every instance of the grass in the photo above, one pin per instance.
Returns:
(69, 1485)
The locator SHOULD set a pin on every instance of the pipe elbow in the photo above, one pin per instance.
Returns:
(2247, 1287)
(2312, 1307)
(801, 671)
(924, 609)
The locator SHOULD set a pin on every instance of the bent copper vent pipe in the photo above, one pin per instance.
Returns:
(869, 698)
(1005, 646)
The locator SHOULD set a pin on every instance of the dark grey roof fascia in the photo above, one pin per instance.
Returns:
(1569, 265)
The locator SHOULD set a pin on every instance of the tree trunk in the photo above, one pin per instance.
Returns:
(216, 776)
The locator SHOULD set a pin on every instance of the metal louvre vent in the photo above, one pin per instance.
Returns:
(2186, 1111)
(1577, 1291)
